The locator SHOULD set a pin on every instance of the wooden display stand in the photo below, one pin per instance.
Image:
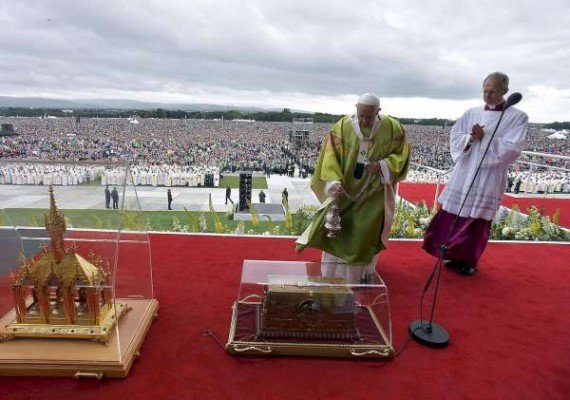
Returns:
(80, 358)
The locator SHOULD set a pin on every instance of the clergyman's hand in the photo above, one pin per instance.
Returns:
(335, 190)
(477, 132)
(373, 167)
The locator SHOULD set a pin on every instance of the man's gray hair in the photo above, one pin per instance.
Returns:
(501, 77)
(369, 99)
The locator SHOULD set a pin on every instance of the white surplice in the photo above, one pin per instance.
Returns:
(487, 191)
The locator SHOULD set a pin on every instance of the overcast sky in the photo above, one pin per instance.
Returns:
(423, 58)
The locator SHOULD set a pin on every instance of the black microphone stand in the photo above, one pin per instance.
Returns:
(428, 332)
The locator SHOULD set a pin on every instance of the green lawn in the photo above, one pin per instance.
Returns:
(173, 221)
(151, 220)
(258, 182)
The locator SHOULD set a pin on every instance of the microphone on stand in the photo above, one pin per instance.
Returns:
(427, 332)
(513, 99)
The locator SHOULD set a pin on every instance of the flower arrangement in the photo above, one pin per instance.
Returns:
(177, 226)
(230, 214)
(512, 225)
(410, 222)
(202, 223)
(240, 228)
(303, 218)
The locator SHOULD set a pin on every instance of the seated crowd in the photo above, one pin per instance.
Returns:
(181, 152)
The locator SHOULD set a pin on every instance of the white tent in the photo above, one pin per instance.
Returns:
(557, 135)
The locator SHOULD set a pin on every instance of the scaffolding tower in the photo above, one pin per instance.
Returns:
(300, 133)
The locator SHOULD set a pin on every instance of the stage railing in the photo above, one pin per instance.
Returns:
(528, 168)
(438, 174)
(542, 173)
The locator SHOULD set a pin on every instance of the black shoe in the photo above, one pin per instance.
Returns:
(467, 270)
(451, 264)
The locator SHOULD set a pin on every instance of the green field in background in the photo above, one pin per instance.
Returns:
(169, 221)
(257, 182)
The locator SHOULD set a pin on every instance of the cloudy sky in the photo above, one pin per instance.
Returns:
(424, 58)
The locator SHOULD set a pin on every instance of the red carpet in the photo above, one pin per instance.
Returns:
(416, 192)
(508, 326)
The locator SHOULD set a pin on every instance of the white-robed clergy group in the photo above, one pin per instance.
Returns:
(165, 175)
(39, 174)
(68, 175)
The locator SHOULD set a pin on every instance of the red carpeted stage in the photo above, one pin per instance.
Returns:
(547, 205)
(508, 326)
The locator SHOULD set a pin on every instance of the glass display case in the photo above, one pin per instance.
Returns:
(309, 309)
(76, 290)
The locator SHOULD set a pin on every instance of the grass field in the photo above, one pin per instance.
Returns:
(257, 182)
(173, 221)
(167, 221)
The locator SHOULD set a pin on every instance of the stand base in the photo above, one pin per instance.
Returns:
(436, 338)
(80, 358)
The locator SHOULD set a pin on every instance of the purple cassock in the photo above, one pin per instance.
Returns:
(465, 242)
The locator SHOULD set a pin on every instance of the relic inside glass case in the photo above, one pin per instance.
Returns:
(76, 290)
(301, 308)
(59, 293)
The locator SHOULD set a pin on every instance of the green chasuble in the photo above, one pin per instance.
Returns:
(363, 220)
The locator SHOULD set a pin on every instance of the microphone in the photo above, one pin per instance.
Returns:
(513, 99)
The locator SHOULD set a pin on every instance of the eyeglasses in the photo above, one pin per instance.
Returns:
(490, 91)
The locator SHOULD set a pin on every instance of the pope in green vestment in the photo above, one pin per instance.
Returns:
(366, 203)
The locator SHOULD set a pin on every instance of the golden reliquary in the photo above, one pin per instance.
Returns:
(322, 308)
(60, 294)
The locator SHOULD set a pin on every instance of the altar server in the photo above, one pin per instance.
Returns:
(465, 238)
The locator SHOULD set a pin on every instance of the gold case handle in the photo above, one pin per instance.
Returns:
(355, 353)
(96, 375)
(261, 350)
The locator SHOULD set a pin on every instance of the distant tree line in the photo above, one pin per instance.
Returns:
(283, 116)
(427, 121)
(559, 125)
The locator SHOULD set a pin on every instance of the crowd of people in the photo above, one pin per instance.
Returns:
(226, 145)
(538, 182)
(48, 174)
(164, 175)
(184, 152)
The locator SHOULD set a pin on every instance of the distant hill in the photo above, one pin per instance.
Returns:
(105, 108)
(38, 106)
(111, 108)
(113, 104)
